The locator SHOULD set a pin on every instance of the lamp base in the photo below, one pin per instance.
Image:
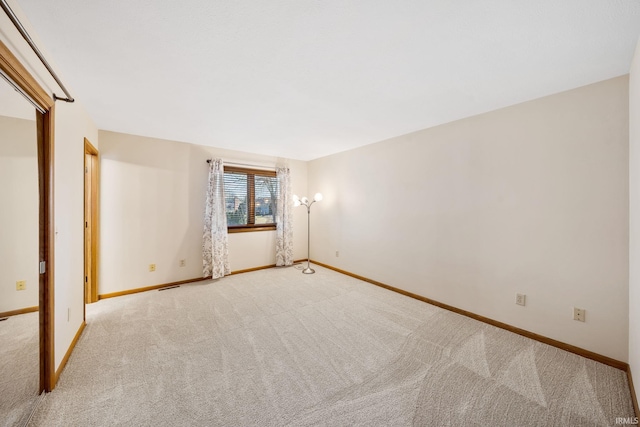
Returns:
(308, 270)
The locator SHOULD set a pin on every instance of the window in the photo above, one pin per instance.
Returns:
(250, 199)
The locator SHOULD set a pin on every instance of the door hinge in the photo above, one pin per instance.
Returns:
(86, 279)
(86, 170)
(43, 267)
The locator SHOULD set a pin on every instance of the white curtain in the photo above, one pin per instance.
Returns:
(215, 247)
(284, 220)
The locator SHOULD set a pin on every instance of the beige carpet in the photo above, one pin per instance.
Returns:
(19, 368)
(277, 348)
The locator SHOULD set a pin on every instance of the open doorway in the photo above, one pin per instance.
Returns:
(19, 252)
(91, 186)
(12, 70)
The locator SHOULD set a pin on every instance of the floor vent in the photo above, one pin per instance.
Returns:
(169, 287)
(3, 318)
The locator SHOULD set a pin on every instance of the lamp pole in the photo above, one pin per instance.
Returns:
(306, 202)
(309, 270)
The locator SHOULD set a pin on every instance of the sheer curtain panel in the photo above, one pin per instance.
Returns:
(284, 220)
(215, 246)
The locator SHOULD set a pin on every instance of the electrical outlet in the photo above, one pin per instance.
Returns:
(21, 285)
(337, 254)
(521, 299)
(183, 263)
(152, 267)
(579, 314)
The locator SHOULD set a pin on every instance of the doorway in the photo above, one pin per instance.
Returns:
(91, 194)
(12, 70)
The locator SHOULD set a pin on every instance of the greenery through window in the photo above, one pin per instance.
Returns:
(250, 199)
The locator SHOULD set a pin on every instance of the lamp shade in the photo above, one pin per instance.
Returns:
(317, 197)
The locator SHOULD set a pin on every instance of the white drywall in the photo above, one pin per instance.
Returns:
(634, 218)
(72, 125)
(531, 198)
(152, 206)
(19, 213)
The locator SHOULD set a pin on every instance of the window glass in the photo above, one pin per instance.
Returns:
(266, 199)
(250, 199)
(235, 194)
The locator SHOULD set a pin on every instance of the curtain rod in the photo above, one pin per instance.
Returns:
(25, 35)
(246, 165)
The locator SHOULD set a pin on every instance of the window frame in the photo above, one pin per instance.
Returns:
(251, 200)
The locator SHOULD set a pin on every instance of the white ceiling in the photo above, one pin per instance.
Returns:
(306, 78)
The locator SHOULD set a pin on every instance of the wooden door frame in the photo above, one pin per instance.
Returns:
(18, 74)
(94, 221)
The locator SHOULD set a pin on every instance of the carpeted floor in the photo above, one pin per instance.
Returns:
(280, 348)
(19, 368)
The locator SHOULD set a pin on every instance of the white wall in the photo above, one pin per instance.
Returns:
(152, 205)
(19, 213)
(532, 199)
(72, 125)
(634, 218)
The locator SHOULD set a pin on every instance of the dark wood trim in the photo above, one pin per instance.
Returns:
(45, 123)
(251, 200)
(634, 397)
(559, 344)
(65, 359)
(20, 311)
(261, 172)
(12, 67)
(151, 288)
(247, 228)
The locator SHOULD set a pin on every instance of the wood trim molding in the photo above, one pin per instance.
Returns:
(89, 148)
(555, 343)
(182, 282)
(12, 67)
(151, 288)
(46, 131)
(634, 397)
(19, 311)
(261, 172)
(65, 359)
(248, 270)
(264, 267)
(94, 221)
(246, 228)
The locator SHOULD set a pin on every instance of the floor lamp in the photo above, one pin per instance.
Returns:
(304, 201)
